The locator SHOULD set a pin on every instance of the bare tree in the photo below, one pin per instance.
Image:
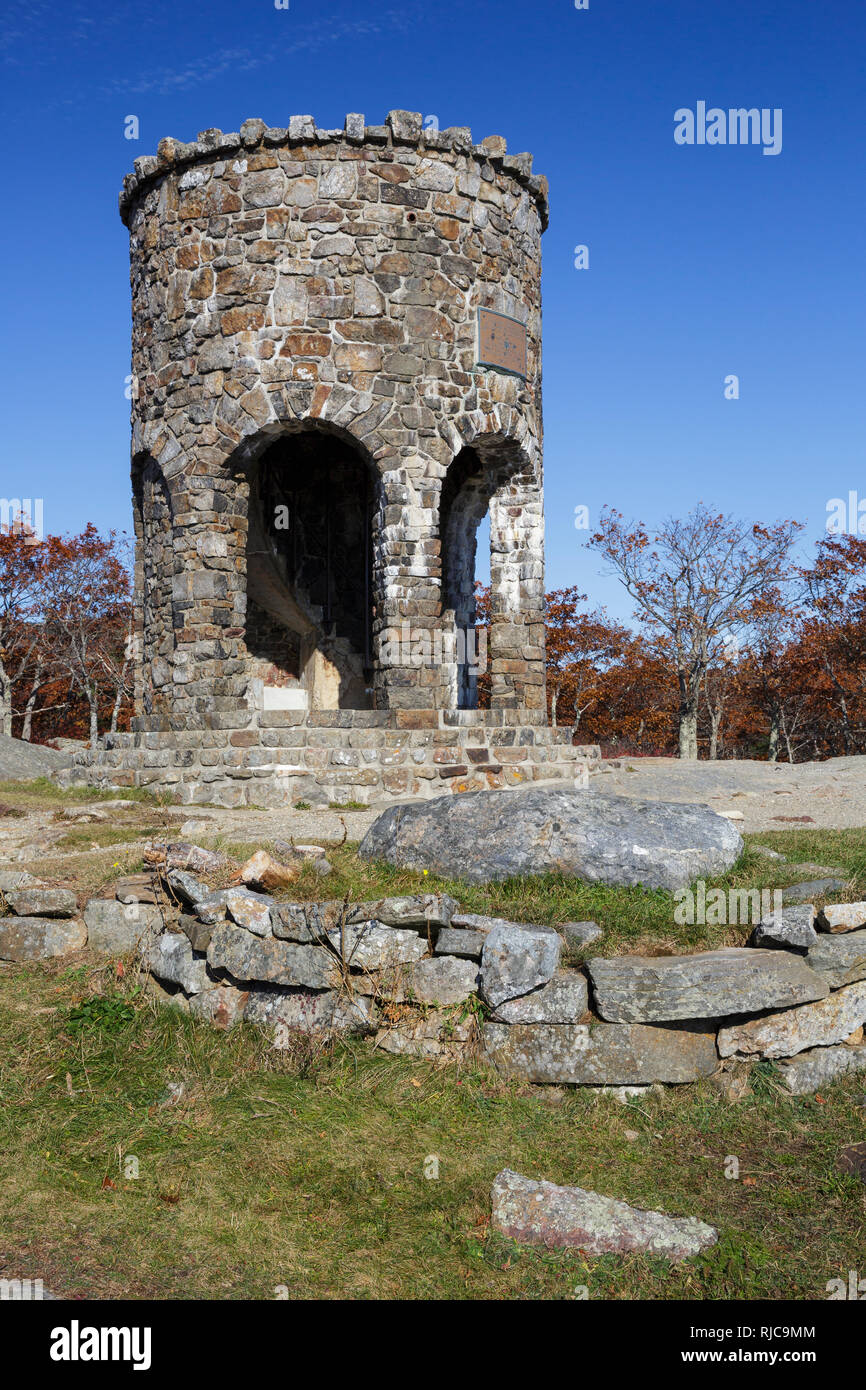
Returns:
(695, 580)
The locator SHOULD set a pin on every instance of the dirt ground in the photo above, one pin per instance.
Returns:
(757, 795)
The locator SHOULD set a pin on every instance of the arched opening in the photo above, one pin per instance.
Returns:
(154, 571)
(478, 485)
(309, 572)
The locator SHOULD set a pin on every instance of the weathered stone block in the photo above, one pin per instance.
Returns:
(602, 1054)
(710, 984)
(39, 938)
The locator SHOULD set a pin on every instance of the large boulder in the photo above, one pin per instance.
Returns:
(21, 761)
(540, 1213)
(599, 1054)
(710, 984)
(484, 836)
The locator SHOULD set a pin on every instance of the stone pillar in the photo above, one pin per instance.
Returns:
(516, 649)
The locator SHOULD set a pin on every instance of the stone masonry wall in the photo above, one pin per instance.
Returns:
(296, 279)
(337, 756)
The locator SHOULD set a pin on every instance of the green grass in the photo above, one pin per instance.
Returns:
(41, 794)
(632, 918)
(275, 1169)
(260, 1176)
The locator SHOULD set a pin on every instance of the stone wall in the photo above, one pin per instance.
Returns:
(324, 285)
(276, 757)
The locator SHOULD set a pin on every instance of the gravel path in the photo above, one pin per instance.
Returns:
(768, 796)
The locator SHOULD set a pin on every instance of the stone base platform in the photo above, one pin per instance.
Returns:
(274, 758)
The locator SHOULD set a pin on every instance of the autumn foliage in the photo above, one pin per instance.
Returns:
(771, 654)
(65, 634)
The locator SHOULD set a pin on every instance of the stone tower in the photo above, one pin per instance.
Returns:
(336, 376)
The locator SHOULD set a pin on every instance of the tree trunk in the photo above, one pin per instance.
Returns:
(27, 726)
(715, 722)
(773, 746)
(93, 702)
(554, 697)
(689, 734)
(5, 702)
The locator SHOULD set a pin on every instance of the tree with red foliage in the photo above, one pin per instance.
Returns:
(87, 610)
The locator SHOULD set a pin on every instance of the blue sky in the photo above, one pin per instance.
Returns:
(703, 261)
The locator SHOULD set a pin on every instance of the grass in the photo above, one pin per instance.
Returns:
(259, 1176)
(308, 1172)
(41, 794)
(633, 919)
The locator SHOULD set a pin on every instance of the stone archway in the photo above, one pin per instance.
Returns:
(309, 571)
(492, 475)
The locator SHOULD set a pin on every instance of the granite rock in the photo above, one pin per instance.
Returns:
(489, 835)
(708, 985)
(564, 999)
(40, 938)
(600, 1054)
(543, 1214)
(516, 960)
(821, 1024)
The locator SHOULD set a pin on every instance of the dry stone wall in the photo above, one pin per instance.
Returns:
(425, 979)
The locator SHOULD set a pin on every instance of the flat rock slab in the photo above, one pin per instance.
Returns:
(493, 835)
(542, 1214)
(814, 888)
(811, 1070)
(563, 1000)
(516, 960)
(842, 917)
(42, 902)
(599, 1054)
(822, 1024)
(40, 938)
(459, 941)
(481, 923)
(710, 984)
(301, 1011)
(840, 960)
